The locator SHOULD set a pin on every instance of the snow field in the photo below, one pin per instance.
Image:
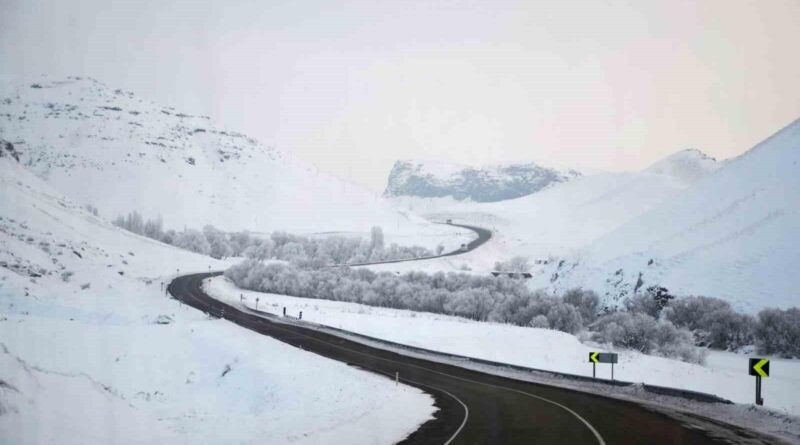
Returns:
(93, 351)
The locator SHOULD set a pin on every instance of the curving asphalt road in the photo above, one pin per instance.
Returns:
(479, 408)
(484, 235)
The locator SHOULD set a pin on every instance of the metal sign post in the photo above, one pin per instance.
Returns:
(602, 357)
(759, 367)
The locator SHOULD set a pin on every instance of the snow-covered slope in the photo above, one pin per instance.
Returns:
(689, 165)
(119, 153)
(486, 184)
(564, 218)
(92, 351)
(734, 234)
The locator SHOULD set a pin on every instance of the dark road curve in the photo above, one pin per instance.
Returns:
(484, 235)
(474, 407)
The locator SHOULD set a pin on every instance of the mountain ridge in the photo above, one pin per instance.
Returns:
(488, 183)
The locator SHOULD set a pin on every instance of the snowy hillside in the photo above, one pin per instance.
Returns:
(486, 184)
(92, 351)
(561, 220)
(733, 234)
(119, 153)
(688, 166)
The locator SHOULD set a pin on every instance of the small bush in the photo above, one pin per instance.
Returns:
(586, 301)
(642, 304)
(647, 335)
(515, 264)
(713, 322)
(540, 321)
(778, 332)
(564, 317)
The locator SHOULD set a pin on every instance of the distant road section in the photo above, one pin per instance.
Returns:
(484, 235)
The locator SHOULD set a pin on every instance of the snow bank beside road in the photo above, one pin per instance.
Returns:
(534, 348)
(92, 351)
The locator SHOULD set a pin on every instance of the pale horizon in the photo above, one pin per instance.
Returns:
(352, 87)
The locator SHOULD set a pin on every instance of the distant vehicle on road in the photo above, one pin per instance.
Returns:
(449, 221)
(463, 248)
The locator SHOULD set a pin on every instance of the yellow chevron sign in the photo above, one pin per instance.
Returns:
(759, 367)
(593, 357)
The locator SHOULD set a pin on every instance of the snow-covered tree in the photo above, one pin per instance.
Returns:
(376, 239)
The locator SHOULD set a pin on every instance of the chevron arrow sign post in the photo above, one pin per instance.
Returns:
(759, 367)
(602, 357)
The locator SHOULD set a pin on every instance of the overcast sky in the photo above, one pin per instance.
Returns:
(353, 86)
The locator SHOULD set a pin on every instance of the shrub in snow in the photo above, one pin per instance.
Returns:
(217, 242)
(586, 301)
(540, 321)
(259, 249)
(515, 264)
(564, 317)
(778, 332)
(647, 335)
(66, 275)
(713, 322)
(472, 303)
(643, 304)
(376, 239)
(153, 228)
(163, 319)
(193, 240)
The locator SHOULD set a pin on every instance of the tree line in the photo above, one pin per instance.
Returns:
(652, 322)
(306, 252)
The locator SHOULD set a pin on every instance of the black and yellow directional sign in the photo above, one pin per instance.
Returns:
(759, 367)
(602, 357)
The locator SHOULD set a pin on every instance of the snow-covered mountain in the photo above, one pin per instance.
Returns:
(486, 184)
(119, 153)
(566, 217)
(734, 234)
(694, 225)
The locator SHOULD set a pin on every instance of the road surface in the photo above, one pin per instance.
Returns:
(479, 408)
(484, 235)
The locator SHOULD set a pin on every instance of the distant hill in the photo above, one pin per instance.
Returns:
(110, 149)
(732, 234)
(485, 184)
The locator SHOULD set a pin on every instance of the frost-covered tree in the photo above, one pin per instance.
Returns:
(643, 333)
(376, 239)
(643, 304)
(586, 301)
(713, 321)
(778, 332)
(193, 240)
(218, 242)
(259, 249)
(564, 317)
(153, 228)
(515, 264)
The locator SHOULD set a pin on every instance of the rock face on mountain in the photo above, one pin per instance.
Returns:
(7, 149)
(486, 184)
